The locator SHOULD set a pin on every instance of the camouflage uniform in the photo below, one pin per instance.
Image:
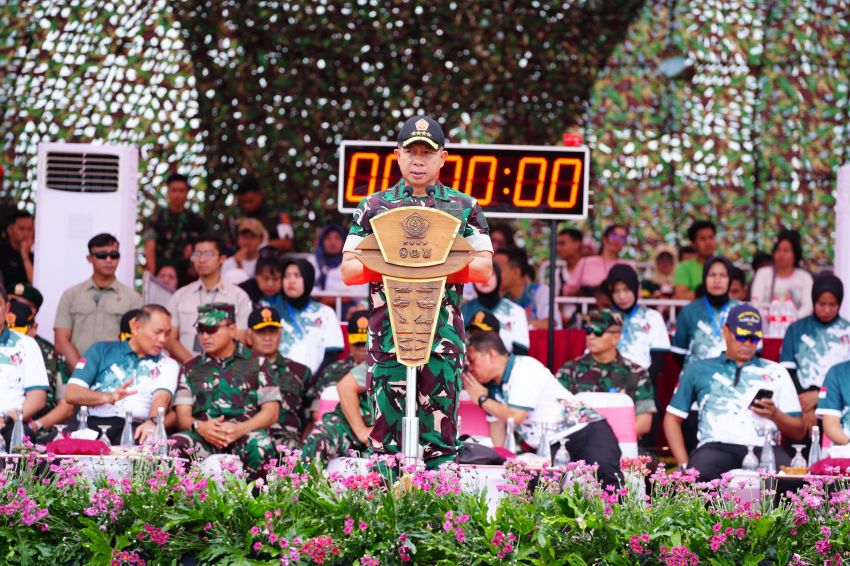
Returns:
(331, 375)
(235, 388)
(620, 376)
(172, 232)
(333, 436)
(58, 373)
(294, 382)
(438, 382)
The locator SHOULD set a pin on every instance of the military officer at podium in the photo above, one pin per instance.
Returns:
(420, 153)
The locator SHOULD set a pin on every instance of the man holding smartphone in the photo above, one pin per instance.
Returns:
(740, 397)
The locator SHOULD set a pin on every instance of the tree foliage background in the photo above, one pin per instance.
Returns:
(750, 132)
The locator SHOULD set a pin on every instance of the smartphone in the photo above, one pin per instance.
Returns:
(762, 394)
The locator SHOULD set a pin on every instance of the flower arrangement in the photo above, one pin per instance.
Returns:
(50, 512)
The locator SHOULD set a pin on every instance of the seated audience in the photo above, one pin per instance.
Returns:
(738, 285)
(591, 271)
(91, 311)
(227, 397)
(250, 203)
(266, 288)
(250, 237)
(292, 378)
(521, 388)
(517, 286)
(834, 404)
(689, 273)
(686, 252)
(569, 249)
(207, 257)
(311, 332)
(167, 276)
(699, 327)
(501, 236)
(730, 417)
(358, 333)
(512, 319)
(785, 279)
(55, 410)
(115, 377)
(169, 232)
(814, 344)
(348, 426)
(16, 257)
(659, 285)
(761, 259)
(604, 369)
(23, 379)
(327, 262)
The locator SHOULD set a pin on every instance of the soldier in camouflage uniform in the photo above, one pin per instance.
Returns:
(171, 229)
(336, 435)
(604, 369)
(56, 410)
(227, 397)
(420, 156)
(292, 378)
(358, 332)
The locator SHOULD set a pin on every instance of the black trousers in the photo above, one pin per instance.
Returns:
(713, 459)
(6, 432)
(116, 427)
(596, 444)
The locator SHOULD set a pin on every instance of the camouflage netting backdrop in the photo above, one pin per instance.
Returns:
(737, 110)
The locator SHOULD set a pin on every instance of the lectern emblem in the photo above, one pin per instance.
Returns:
(415, 226)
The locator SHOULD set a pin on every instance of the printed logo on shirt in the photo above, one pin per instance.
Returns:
(318, 322)
(16, 359)
(80, 364)
(155, 372)
(822, 393)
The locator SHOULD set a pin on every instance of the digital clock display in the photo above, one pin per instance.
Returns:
(509, 181)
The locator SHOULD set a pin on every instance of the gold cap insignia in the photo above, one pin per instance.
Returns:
(421, 125)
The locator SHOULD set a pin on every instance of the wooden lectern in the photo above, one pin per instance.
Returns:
(414, 249)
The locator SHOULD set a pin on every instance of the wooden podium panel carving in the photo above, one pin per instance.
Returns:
(414, 248)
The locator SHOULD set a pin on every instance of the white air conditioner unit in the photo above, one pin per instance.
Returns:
(82, 190)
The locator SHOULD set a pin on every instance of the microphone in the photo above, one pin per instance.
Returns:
(96, 298)
(430, 190)
(407, 192)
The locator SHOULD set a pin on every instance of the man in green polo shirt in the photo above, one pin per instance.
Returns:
(688, 274)
(733, 412)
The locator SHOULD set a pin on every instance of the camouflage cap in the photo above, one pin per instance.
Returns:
(213, 314)
(19, 317)
(603, 319)
(27, 292)
(358, 327)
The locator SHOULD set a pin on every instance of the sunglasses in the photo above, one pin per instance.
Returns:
(104, 255)
(207, 329)
(588, 330)
(752, 338)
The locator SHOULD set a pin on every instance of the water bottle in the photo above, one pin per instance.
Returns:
(789, 314)
(160, 436)
(562, 457)
(83, 417)
(768, 460)
(127, 434)
(510, 439)
(814, 451)
(544, 450)
(17, 440)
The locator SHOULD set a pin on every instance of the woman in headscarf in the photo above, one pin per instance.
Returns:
(644, 337)
(327, 262)
(311, 332)
(512, 319)
(814, 344)
(699, 328)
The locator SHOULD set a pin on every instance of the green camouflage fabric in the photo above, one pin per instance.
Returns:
(213, 314)
(172, 232)
(331, 375)
(293, 379)
(235, 388)
(333, 436)
(438, 390)
(620, 376)
(450, 328)
(58, 374)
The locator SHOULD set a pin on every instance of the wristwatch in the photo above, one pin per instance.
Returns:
(482, 398)
(195, 424)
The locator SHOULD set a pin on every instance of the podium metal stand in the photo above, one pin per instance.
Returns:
(414, 249)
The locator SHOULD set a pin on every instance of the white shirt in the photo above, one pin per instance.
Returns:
(312, 332)
(643, 332)
(21, 369)
(249, 266)
(798, 287)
